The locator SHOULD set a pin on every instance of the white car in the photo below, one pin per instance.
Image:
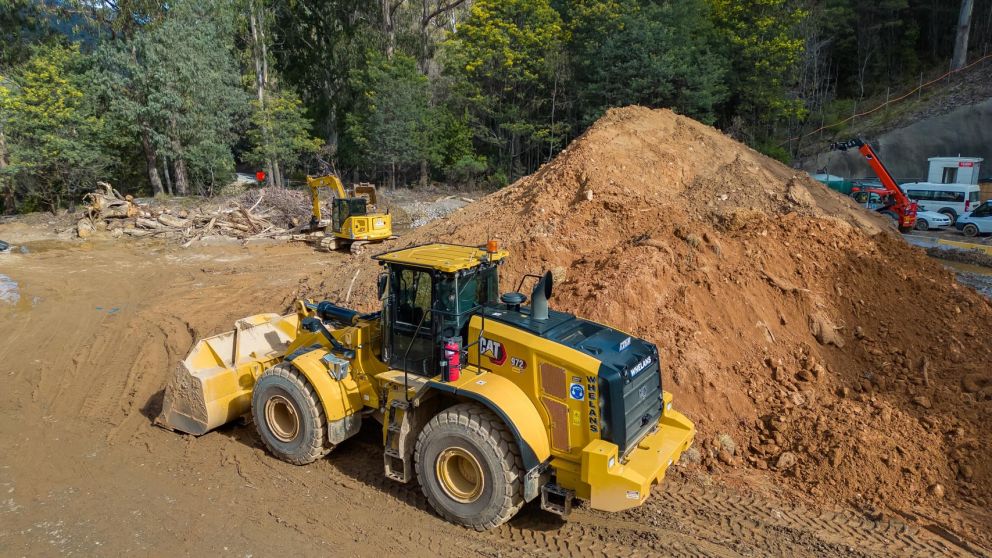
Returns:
(927, 220)
(977, 222)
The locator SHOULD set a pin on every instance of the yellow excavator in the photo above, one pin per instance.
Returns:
(488, 402)
(354, 220)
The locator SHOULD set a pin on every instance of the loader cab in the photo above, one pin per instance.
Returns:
(429, 294)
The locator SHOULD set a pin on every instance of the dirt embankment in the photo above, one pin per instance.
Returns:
(801, 334)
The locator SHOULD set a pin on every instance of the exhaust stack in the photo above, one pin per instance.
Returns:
(539, 297)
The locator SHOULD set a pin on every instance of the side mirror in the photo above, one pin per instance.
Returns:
(383, 282)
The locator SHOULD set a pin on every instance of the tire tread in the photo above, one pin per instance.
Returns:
(319, 445)
(495, 433)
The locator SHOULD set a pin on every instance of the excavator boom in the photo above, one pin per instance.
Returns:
(316, 183)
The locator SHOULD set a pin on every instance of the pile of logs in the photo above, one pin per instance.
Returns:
(108, 211)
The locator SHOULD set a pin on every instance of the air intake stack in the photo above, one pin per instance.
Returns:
(539, 298)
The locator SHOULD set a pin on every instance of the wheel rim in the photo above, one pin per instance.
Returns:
(970, 230)
(460, 475)
(281, 417)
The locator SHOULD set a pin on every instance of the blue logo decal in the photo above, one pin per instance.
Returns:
(577, 391)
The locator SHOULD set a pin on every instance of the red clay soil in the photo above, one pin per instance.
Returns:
(808, 342)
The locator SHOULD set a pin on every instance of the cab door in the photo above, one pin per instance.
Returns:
(411, 342)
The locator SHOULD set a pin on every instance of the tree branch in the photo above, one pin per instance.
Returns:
(440, 10)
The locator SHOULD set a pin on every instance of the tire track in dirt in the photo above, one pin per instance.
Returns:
(769, 524)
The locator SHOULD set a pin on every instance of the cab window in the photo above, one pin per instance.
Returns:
(413, 297)
(459, 295)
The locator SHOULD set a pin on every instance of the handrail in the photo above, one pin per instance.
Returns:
(406, 384)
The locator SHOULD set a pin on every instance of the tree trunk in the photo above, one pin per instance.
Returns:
(261, 78)
(961, 41)
(424, 174)
(165, 172)
(9, 199)
(151, 160)
(389, 26)
(270, 174)
(182, 179)
(277, 175)
(178, 160)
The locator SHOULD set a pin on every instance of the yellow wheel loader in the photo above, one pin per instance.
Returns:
(354, 220)
(487, 401)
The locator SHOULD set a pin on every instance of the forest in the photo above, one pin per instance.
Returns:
(172, 98)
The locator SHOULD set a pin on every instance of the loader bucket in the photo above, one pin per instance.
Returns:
(212, 385)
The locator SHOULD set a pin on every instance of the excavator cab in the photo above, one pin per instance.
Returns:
(344, 208)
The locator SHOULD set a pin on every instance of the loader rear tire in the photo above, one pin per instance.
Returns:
(288, 416)
(468, 465)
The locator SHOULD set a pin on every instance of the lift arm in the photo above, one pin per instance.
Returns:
(900, 208)
(315, 184)
(876, 164)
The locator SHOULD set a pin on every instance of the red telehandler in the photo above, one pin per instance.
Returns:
(895, 203)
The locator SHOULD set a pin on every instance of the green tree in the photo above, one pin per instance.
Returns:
(765, 48)
(388, 127)
(52, 132)
(174, 87)
(192, 67)
(450, 147)
(279, 132)
(506, 60)
(663, 54)
(317, 47)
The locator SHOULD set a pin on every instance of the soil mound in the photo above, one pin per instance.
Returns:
(800, 332)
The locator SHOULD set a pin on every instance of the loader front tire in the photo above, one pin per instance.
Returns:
(288, 416)
(469, 467)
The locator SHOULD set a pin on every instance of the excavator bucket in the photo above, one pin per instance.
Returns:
(368, 191)
(212, 385)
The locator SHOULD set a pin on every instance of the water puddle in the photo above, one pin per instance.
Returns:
(975, 276)
(10, 292)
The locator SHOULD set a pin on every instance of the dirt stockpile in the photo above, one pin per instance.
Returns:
(802, 335)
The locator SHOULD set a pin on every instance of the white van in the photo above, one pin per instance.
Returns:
(951, 187)
(952, 200)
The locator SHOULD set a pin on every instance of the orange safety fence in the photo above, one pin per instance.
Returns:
(888, 102)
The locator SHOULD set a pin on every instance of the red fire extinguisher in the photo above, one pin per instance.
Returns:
(453, 359)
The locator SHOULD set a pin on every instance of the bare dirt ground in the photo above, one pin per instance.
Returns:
(93, 338)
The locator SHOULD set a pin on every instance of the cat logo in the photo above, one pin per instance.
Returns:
(493, 350)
